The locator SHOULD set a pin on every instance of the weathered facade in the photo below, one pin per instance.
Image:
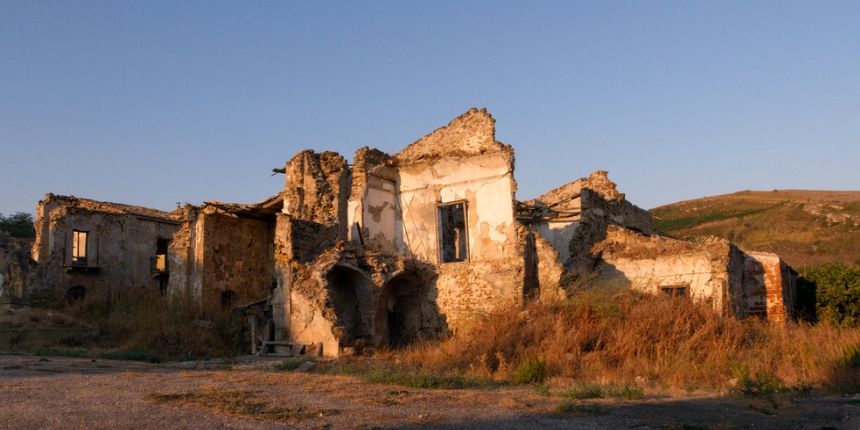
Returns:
(402, 246)
(85, 246)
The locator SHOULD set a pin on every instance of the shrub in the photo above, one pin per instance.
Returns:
(531, 370)
(837, 293)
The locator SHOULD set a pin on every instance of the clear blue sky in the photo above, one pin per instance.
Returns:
(151, 103)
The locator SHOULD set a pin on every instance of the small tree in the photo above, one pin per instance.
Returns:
(837, 293)
(18, 225)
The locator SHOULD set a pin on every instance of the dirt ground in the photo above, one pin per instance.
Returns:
(59, 392)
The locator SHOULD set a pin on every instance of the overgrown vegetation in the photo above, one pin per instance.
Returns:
(143, 325)
(386, 372)
(836, 291)
(19, 224)
(632, 342)
(590, 390)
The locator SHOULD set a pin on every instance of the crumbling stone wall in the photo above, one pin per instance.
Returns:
(317, 188)
(17, 270)
(238, 259)
(574, 216)
(220, 258)
(374, 216)
(652, 263)
(770, 287)
(185, 255)
(462, 162)
(121, 245)
(348, 299)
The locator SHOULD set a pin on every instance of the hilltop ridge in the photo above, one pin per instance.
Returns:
(806, 227)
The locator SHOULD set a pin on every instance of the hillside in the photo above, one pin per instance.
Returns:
(805, 227)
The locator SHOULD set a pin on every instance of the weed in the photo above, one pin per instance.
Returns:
(531, 370)
(54, 352)
(573, 408)
(626, 392)
(851, 358)
(381, 373)
(763, 384)
(542, 390)
(583, 391)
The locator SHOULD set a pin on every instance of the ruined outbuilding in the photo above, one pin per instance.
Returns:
(397, 247)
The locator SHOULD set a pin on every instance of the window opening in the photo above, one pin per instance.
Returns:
(675, 291)
(452, 232)
(79, 247)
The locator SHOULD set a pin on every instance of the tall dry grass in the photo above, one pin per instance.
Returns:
(623, 337)
(142, 321)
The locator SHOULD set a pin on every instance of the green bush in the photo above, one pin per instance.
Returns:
(584, 391)
(837, 293)
(18, 225)
(531, 370)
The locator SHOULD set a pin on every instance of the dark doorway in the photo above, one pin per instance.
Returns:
(349, 291)
(403, 312)
(76, 294)
(228, 298)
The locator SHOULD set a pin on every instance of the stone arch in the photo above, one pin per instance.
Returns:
(76, 293)
(406, 311)
(350, 293)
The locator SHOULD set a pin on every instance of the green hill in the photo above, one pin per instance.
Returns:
(805, 227)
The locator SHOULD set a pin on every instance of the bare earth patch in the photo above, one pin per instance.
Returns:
(59, 392)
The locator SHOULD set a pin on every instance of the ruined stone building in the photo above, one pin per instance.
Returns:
(400, 246)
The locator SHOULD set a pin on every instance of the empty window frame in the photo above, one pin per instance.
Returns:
(79, 247)
(675, 290)
(160, 261)
(453, 235)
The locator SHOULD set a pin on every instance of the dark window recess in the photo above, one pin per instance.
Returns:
(79, 247)
(76, 294)
(452, 232)
(675, 291)
(228, 298)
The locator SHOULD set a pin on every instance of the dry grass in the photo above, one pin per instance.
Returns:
(141, 322)
(240, 403)
(627, 339)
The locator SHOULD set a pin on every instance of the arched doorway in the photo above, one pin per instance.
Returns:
(350, 291)
(404, 312)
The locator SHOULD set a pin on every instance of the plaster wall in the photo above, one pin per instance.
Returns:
(120, 248)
